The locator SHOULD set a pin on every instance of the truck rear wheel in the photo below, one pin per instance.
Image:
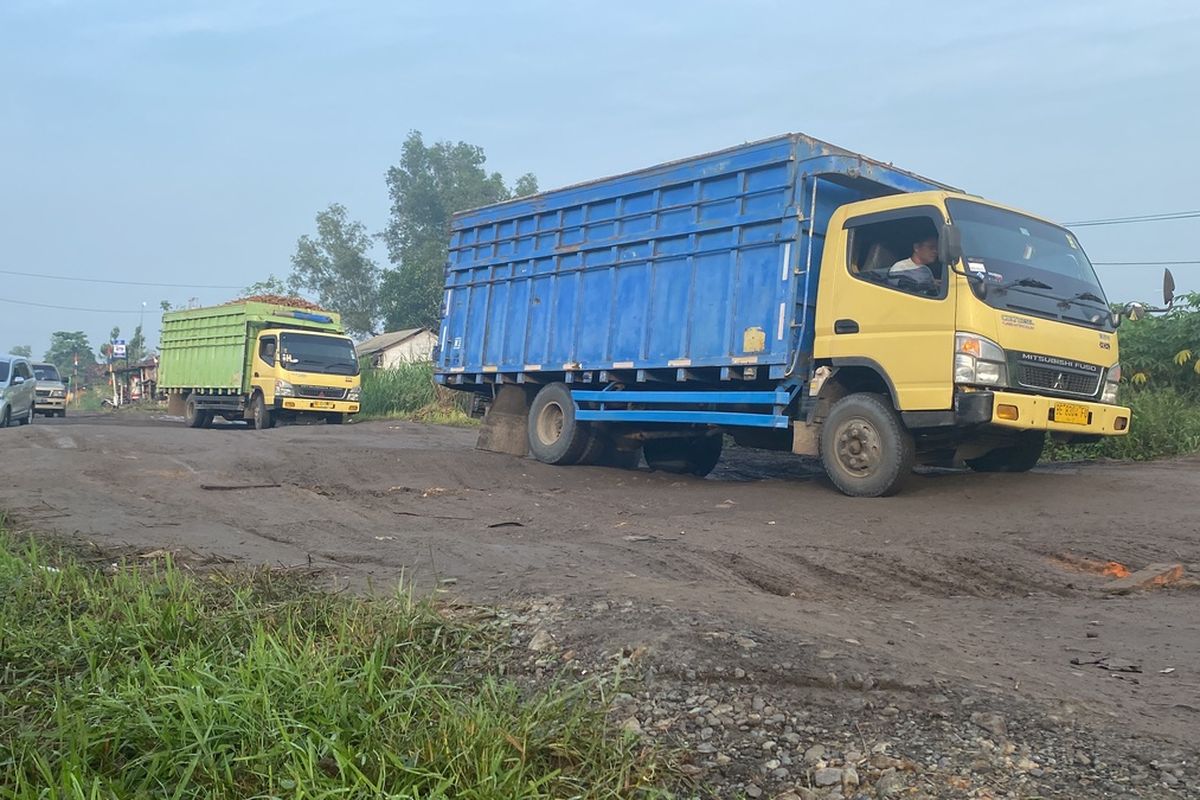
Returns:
(693, 455)
(1019, 457)
(865, 449)
(555, 436)
(261, 417)
(194, 417)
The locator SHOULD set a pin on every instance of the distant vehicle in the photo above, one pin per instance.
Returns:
(51, 391)
(257, 361)
(17, 391)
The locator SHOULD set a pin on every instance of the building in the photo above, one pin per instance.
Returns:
(398, 347)
(136, 382)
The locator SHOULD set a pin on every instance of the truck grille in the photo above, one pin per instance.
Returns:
(1057, 376)
(321, 392)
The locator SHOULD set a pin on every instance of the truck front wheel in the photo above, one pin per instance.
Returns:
(261, 417)
(555, 436)
(1021, 456)
(865, 449)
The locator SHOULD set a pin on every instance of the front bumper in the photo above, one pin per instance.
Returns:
(50, 404)
(1037, 413)
(303, 404)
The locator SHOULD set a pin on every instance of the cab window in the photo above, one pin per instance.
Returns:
(266, 349)
(898, 250)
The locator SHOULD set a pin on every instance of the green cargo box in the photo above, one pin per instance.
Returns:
(207, 348)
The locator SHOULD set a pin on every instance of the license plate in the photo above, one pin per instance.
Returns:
(321, 404)
(1070, 413)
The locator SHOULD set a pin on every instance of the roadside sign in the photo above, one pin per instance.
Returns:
(118, 348)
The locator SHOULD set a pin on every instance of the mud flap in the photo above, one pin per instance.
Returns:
(505, 427)
(175, 403)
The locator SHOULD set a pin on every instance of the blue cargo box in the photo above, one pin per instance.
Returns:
(699, 268)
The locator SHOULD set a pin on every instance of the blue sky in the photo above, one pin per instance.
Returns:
(193, 142)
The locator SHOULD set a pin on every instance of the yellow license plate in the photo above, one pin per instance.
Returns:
(1070, 413)
(321, 404)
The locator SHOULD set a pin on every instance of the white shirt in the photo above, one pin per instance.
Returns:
(919, 273)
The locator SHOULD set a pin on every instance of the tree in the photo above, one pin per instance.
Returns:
(135, 351)
(21, 350)
(429, 185)
(335, 267)
(272, 285)
(68, 347)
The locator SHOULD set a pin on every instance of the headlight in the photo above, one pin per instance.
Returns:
(1111, 380)
(354, 394)
(284, 388)
(979, 361)
(57, 393)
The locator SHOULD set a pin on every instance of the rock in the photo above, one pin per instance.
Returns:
(850, 777)
(633, 726)
(745, 642)
(541, 642)
(814, 754)
(753, 791)
(891, 785)
(890, 711)
(1026, 764)
(828, 776)
(991, 722)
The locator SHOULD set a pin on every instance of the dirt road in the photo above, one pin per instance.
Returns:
(964, 586)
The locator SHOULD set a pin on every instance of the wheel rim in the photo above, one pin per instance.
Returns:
(858, 448)
(550, 422)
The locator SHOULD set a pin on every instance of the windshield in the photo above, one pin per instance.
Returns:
(3, 372)
(46, 372)
(1030, 266)
(307, 353)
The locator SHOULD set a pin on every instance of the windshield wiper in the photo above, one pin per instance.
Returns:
(1030, 283)
(1066, 303)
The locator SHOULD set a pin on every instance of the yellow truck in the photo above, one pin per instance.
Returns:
(788, 293)
(258, 361)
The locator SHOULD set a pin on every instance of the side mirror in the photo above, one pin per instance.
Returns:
(17, 380)
(950, 245)
(1168, 288)
(1134, 311)
(66, 381)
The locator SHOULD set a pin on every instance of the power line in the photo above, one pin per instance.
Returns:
(122, 283)
(1126, 220)
(73, 308)
(1143, 263)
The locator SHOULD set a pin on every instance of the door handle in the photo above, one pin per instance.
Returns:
(845, 326)
(256, 375)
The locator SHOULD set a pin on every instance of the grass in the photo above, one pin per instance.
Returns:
(1165, 423)
(148, 683)
(409, 392)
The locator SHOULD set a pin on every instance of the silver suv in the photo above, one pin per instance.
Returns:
(18, 391)
(51, 390)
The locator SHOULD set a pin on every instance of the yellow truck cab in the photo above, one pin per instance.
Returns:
(258, 361)
(1011, 339)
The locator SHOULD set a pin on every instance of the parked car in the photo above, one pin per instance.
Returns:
(18, 390)
(51, 390)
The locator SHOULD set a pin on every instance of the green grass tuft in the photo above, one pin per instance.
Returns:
(156, 683)
(1165, 423)
(409, 392)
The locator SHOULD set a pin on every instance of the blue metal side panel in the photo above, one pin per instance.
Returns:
(706, 261)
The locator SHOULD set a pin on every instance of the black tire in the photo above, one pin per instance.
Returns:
(1021, 456)
(335, 419)
(596, 447)
(6, 420)
(193, 417)
(62, 413)
(865, 449)
(692, 455)
(29, 417)
(555, 436)
(617, 458)
(261, 417)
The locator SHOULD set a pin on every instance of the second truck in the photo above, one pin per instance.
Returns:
(258, 361)
(791, 294)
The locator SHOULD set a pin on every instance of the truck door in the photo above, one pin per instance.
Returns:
(264, 366)
(895, 320)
